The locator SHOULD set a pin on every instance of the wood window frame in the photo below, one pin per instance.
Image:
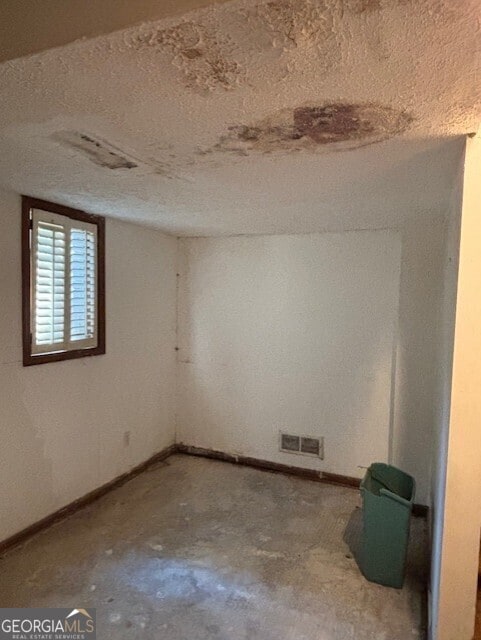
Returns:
(28, 204)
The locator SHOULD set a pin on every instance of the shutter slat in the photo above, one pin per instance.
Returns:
(82, 284)
(50, 292)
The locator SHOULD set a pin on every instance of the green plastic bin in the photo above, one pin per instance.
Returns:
(387, 499)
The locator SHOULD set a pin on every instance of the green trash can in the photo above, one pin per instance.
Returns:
(387, 499)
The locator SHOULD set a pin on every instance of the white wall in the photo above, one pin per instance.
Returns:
(297, 332)
(292, 333)
(62, 424)
(461, 519)
(416, 390)
(446, 314)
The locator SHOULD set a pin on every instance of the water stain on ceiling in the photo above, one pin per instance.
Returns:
(312, 128)
(295, 21)
(97, 151)
(197, 51)
(210, 55)
(109, 156)
(332, 126)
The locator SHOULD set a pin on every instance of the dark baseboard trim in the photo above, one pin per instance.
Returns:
(273, 467)
(419, 510)
(80, 503)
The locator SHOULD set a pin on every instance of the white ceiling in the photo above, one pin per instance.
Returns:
(252, 117)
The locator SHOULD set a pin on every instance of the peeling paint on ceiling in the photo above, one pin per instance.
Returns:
(199, 53)
(294, 22)
(226, 119)
(98, 151)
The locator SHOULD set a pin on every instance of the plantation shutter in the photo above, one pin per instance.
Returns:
(83, 261)
(64, 279)
(49, 290)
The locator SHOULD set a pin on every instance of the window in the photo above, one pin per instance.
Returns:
(63, 282)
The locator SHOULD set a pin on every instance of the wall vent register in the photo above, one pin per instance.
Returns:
(302, 445)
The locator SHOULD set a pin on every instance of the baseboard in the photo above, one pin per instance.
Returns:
(273, 467)
(80, 503)
(419, 510)
(264, 465)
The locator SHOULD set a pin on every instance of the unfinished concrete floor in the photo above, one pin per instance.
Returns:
(199, 549)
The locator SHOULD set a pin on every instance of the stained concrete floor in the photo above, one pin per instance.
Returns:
(199, 549)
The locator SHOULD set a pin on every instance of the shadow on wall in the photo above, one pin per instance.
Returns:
(418, 344)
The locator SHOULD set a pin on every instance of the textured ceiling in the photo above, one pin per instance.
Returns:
(252, 117)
